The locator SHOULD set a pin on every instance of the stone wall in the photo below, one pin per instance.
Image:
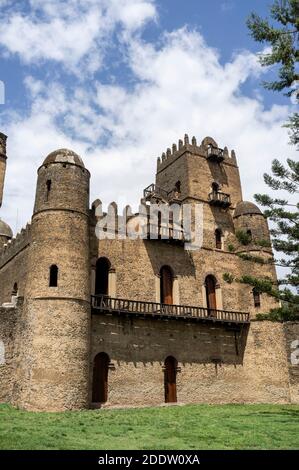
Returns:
(291, 331)
(8, 323)
(128, 257)
(210, 368)
(13, 264)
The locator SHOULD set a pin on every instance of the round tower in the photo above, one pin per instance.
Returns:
(5, 233)
(55, 346)
(249, 220)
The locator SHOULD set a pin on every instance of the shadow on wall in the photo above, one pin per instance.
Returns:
(168, 255)
(149, 341)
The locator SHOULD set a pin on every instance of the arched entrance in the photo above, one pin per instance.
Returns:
(102, 276)
(100, 378)
(166, 285)
(170, 371)
(211, 294)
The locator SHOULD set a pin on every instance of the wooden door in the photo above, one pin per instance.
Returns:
(166, 285)
(211, 294)
(100, 378)
(170, 379)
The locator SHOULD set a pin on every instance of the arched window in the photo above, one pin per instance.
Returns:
(53, 277)
(166, 285)
(249, 234)
(100, 378)
(210, 284)
(218, 238)
(215, 187)
(177, 187)
(15, 289)
(102, 276)
(256, 297)
(170, 371)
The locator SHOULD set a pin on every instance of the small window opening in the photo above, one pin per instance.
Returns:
(215, 187)
(256, 297)
(48, 184)
(249, 233)
(218, 238)
(53, 276)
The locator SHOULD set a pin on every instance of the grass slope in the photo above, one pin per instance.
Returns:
(171, 427)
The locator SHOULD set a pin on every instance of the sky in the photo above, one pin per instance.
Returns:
(118, 81)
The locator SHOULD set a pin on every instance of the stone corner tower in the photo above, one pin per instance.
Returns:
(54, 362)
(3, 159)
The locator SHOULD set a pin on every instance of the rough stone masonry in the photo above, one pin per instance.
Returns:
(88, 322)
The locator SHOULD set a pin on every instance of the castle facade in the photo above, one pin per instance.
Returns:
(89, 321)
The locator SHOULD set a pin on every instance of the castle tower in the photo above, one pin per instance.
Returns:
(3, 159)
(54, 360)
(203, 173)
(5, 233)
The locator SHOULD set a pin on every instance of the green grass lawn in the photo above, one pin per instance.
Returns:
(172, 427)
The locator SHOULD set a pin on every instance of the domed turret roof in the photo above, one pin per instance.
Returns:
(246, 208)
(5, 230)
(64, 156)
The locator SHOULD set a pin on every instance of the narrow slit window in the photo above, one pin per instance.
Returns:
(218, 238)
(256, 298)
(53, 280)
(48, 184)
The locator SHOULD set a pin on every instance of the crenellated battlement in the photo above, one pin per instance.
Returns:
(185, 145)
(15, 245)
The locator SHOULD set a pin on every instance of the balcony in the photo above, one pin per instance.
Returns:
(217, 198)
(107, 305)
(158, 194)
(167, 233)
(154, 192)
(215, 154)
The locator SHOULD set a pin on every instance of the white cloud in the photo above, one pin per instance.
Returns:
(180, 87)
(73, 33)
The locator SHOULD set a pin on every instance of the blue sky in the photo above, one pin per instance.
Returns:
(120, 80)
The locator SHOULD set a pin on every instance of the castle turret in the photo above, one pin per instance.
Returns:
(5, 233)
(251, 227)
(54, 365)
(3, 159)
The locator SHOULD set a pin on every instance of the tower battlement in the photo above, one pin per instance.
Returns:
(15, 245)
(183, 146)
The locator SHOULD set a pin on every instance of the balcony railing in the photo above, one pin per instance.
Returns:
(218, 198)
(215, 154)
(106, 304)
(154, 192)
(167, 233)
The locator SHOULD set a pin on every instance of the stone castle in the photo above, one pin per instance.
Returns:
(88, 322)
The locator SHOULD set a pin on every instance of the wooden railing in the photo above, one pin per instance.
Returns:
(219, 198)
(103, 303)
(215, 153)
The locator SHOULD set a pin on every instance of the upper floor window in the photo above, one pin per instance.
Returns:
(256, 297)
(177, 187)
(48, 184)
(249, 235)
(53, 278)
(218, 238)
(215, 187)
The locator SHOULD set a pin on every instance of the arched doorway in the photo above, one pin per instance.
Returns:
(170, 371)
(211, 294)
(102, 276)
(100, 378)
(166, 285)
